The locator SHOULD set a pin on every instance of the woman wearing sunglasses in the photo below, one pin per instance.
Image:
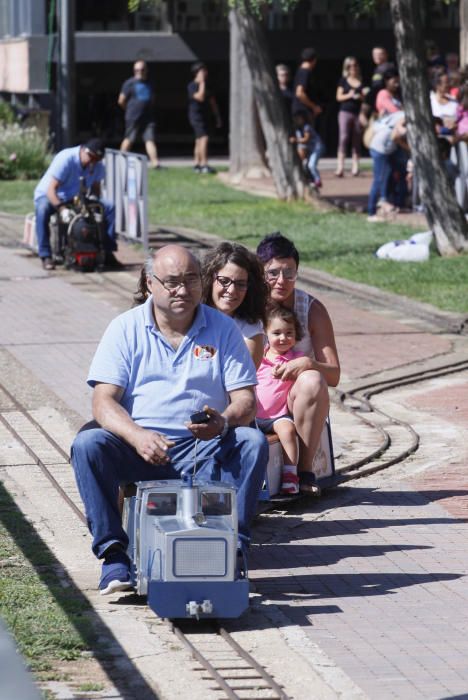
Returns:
(233, 283)
(320, 368)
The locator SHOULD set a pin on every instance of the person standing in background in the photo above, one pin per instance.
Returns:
(202, 104)
(305, 98)
(136, 98)
(283, 76)
(349, 95)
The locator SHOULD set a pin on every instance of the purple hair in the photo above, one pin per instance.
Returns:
(275, 245)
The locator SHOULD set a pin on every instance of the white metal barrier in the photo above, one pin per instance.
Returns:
(126, 185)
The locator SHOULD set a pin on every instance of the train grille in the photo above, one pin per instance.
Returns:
(200, 557)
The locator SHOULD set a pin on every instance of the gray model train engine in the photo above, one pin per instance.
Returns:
(183, 543)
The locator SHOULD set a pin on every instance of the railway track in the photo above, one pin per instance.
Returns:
(222, 662)
(234, 672)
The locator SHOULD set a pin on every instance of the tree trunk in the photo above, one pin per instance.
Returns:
(444, 215)
(246, 145)
(286, 170)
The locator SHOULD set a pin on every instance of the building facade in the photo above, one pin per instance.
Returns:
(170, 35)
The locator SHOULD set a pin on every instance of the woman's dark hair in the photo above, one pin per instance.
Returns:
(275, 245)
(285, 314)
(195, 67)
(390, 73)
(308, 54)
(142, 292)
(253, 306)
(463, 96)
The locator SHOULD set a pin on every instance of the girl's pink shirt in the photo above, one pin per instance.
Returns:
(462, 120)
(272, 393)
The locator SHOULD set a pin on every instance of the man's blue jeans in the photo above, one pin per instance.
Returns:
(44, 211)
(102, 462)
(382, 171)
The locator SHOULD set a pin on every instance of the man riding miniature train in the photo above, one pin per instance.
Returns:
(155, 365)
(61, 183)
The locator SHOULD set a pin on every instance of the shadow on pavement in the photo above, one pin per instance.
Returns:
(123, 674)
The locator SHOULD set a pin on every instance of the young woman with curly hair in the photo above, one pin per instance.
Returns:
(234, 283)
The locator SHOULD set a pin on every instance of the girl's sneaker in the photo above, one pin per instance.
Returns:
(290, 484)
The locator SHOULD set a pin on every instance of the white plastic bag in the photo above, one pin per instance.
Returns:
(414, 249)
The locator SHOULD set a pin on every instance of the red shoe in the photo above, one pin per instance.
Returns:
(290, 484)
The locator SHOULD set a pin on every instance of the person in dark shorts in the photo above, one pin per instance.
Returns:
(136, 98)
(202, 106)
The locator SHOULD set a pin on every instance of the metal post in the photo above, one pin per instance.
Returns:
(66, 72)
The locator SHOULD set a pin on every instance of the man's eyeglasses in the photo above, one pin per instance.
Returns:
(173, 284)
(226, 282)
(273, 274)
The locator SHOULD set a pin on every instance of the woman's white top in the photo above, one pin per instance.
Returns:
(302, 304)
(249, 330)
(444, 111)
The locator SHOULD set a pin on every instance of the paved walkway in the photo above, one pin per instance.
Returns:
(365, 590)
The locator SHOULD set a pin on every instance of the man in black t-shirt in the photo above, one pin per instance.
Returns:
(202, 105)
(305, 98)
(136, 98)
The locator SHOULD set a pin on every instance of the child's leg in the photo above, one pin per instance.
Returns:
(314, 158)
(286, 432)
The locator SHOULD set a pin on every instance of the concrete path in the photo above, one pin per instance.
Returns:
(361, 594)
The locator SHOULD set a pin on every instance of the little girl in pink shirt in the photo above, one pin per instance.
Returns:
(283, 330)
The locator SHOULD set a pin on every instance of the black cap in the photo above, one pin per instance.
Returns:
(96, 147)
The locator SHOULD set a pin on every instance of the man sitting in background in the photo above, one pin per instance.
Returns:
(60, 183)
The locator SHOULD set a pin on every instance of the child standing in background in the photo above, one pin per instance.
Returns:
(283, 331)
(310, 147)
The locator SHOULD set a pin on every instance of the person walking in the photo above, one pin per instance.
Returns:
(305, 93)
(349, 95)
(202, 105)
(137, 99)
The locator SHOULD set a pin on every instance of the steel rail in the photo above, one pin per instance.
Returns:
(373, 388)
(222, 681)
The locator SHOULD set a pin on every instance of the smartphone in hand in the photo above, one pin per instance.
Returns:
(200, 417)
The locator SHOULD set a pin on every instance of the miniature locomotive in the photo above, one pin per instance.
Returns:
(76, 234)
(183, 544)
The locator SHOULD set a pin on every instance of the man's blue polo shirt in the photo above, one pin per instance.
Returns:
(67, 169)
(164, 386)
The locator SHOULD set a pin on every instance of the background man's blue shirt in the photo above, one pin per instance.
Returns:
(163, 386)
(67, 169)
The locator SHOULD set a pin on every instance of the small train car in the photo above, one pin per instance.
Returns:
(183, 543)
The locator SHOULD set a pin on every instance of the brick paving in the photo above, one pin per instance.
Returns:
(373, 574)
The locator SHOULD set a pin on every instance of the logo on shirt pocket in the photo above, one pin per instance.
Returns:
(204, 352)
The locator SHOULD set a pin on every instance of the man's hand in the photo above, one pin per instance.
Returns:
(316, 109)
(210, 430)
(152, 446)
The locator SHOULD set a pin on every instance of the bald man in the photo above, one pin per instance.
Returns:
(136, 98)
(155, 366)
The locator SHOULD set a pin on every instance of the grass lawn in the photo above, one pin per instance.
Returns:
(49, 620)
(340, 243)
